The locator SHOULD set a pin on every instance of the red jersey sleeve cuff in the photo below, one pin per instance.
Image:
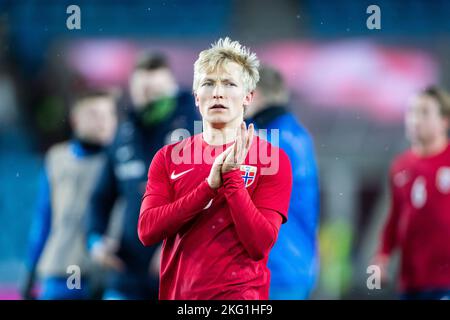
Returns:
(204, 186)
(232, 181)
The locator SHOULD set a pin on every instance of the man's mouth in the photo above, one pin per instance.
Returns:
(218, 106)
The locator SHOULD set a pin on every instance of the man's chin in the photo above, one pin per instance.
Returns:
(217, 121)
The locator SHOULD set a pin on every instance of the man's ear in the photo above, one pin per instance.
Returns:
(72, 117)
(196, 99)
(447, 123)
(249, 98)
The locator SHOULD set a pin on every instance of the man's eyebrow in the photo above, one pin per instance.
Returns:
(215, 79)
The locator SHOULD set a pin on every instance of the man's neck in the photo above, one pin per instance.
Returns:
(217, 134)
(429, 149)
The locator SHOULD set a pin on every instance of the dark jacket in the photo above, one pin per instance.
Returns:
(124, 176)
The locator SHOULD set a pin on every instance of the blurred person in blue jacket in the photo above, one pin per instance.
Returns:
(58, 232)
(157, 112)
(293, 261)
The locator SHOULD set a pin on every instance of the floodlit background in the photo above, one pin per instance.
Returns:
(349, 87)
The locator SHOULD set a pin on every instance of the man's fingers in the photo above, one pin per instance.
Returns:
(237, 144)
(246, 138)
(237, 150)
(251, 131)
(223, 156)
(243, 134)
(230, 155)
(228, 151)
(240, 139)
(237, 153)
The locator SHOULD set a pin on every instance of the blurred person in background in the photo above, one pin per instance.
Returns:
(293, 260)
(157, 109)
(418, 223)
(58, 234)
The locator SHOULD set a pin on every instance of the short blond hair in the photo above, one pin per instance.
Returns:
(223, 51)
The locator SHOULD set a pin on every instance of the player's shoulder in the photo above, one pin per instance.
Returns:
(124, 137)
(57, 153)
(58, 148)
(167, 149)
(447, 151)
(271, 159)
(125, 130)
(264, 145)
(401, 161)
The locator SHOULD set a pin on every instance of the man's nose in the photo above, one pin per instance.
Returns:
(218, 92)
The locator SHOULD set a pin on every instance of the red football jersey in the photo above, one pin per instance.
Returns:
(419, 220)
(216, 242)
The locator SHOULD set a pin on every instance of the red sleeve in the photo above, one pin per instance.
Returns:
(274, 190)
(390, 229)
(159, 217)
(257, 221)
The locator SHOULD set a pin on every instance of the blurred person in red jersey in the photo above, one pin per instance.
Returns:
(418, 224)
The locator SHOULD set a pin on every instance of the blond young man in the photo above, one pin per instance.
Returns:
(218, 198)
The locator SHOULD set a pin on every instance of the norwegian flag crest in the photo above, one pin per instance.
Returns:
(248, 174)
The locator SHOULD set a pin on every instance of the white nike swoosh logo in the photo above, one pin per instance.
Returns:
(173, 176)
(208, 205)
